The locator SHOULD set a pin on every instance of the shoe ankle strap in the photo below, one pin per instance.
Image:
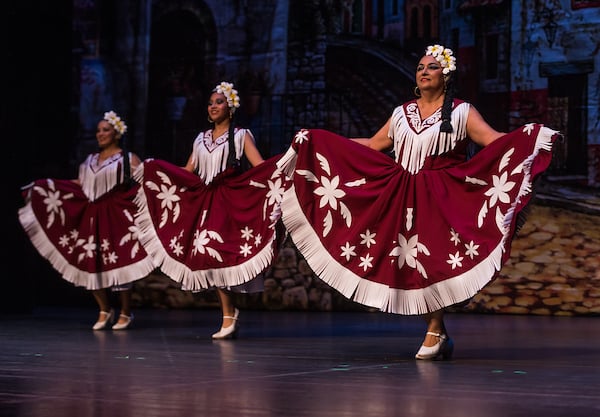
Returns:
(440, 335)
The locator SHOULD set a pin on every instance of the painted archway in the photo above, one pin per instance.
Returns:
(182, 48)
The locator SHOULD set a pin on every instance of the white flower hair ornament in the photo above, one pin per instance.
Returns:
(119, 125)
(444, 56)
(230, 93)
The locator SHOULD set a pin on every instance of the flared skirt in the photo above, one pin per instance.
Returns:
(408, 243)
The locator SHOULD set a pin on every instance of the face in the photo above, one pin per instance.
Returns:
(218, 109)
(429, 74)
(106, 135)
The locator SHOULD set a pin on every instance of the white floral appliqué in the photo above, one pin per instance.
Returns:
(53, 201)
(498, 192)
(329, 192)
(301, 136)
(167, 194)
(407, 251)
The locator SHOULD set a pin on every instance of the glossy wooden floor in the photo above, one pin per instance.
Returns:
(296, 364)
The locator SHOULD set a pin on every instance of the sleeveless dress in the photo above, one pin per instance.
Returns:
(87, 232)
(418, 233)
(215, 227)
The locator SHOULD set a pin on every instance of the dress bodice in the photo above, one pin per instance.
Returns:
(209, 155)
(419, 144)
(98, 177)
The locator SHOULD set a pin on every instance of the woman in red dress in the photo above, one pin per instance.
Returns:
(209, 225)
(427, 229)
(85, 227)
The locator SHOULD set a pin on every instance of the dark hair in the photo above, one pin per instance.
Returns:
(232, 161)
(127, 177)
(447, 105)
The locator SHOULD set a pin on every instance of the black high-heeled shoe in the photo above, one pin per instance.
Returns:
(443, 349)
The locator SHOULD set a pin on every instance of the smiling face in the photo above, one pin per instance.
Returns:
(106, 135)
(218, 109)
(429, 76)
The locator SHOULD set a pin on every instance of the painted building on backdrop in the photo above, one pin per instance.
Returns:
(518, 61)
(313, 63)
(344, 65)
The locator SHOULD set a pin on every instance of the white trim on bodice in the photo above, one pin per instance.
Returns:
(415, 139)
(97, 178)
(210, 156)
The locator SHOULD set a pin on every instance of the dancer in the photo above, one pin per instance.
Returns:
(85, 227)
(427, 230)
(210, 225)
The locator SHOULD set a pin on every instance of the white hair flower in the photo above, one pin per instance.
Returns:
(119, 125)
(444, 56)
(230, 93)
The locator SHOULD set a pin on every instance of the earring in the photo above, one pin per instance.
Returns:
(417, 92)
(209, 119)
(230, 115)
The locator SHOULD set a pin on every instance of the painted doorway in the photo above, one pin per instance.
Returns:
(180, 48)
(567, 113)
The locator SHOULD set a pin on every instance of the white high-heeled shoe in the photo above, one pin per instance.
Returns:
(125, 325)
(108, 318)
(228, 332)
(441, 350)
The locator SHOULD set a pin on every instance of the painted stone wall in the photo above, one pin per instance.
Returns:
(554, 268)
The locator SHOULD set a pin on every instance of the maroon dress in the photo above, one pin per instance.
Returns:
(418, 233)
(213, 228)
(88, 231)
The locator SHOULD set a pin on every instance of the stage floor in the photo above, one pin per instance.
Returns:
(288, 364)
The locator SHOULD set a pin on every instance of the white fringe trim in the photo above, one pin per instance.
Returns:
(373, 294)
(138, 173)
(209, 164)
(398, 301)
(543, 142)
(96, 183)
(287, 162)
(416, 147)
(195, 280)
(72, 274)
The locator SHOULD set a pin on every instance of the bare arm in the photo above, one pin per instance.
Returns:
(189, 166)
(251, 151)
(379, 141)
(479, 130)
(134, 162)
